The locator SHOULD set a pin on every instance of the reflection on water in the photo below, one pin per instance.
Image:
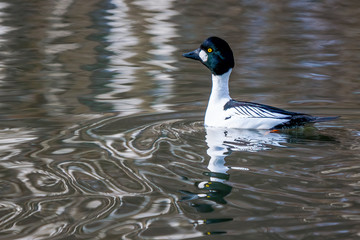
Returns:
(161, 177)
(101, 131)
(221, 143)
(137, 62)
(11, 138)
(121, 42)
(54, 72)
(3, 31)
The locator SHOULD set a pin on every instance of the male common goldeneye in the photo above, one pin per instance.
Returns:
(222, 111)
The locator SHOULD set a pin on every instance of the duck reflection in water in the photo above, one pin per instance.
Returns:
(221, 143)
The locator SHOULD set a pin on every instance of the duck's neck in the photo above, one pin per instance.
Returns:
(220, 87)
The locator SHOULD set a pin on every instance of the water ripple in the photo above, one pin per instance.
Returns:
(163, 176)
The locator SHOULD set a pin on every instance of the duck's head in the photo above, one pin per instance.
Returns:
(215, 53)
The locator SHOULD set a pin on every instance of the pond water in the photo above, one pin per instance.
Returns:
(101, 121)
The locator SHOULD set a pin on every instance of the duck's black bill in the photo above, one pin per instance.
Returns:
(193, 55)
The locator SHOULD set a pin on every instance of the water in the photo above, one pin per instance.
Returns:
(101, 121)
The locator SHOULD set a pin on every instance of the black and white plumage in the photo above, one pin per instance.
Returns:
(223, 111)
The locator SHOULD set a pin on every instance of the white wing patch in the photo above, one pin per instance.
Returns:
(254, 112)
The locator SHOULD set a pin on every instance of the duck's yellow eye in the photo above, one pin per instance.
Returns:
(209, 50)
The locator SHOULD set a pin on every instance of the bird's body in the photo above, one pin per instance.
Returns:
(223, 111)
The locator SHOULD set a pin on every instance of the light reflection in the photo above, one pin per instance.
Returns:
(4, 51)
(138, 64)
(162, 30)
(121, 42)
(10, 139)
(10, 147)
(55, 72)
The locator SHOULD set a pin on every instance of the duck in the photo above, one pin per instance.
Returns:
(223, 111)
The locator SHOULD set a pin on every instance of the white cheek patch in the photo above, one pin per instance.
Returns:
(203, 55)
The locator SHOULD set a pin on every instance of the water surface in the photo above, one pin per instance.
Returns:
(101, 121)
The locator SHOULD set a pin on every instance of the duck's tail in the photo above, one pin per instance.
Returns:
(323, 119)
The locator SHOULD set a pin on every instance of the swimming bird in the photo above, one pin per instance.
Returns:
(222, 111)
